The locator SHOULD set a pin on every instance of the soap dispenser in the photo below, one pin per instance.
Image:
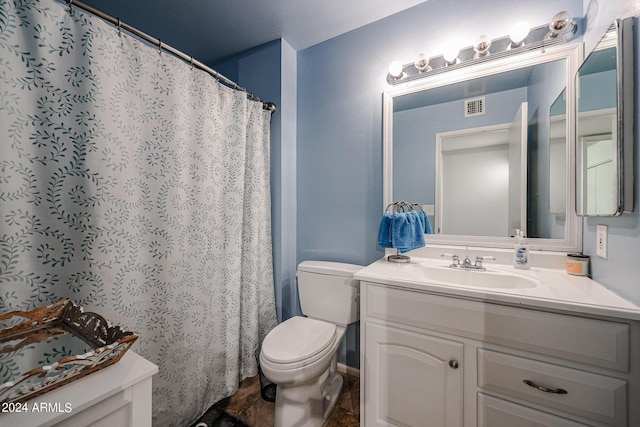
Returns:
(521, 252)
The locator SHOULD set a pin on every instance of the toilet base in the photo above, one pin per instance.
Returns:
(309, 404)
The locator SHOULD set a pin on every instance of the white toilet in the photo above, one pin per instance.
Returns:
(299, 355)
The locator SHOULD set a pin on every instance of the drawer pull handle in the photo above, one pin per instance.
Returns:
(454, 364)
(543, 388)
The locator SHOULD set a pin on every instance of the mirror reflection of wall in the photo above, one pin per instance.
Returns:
(558, 155)
(493, 158)
(600, 173)
(481, 157)
(596, 166)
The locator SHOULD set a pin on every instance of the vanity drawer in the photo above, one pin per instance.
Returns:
(494, 412)
(588, 395)
(594, 342)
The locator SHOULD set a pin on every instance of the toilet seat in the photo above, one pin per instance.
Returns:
(297, 342)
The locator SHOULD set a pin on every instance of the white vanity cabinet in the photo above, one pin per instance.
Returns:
(115, 396)
(438, 359)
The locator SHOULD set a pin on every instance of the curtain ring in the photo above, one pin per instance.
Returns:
(70, 3)
(119, 28)
(191, 62)
(160, 47)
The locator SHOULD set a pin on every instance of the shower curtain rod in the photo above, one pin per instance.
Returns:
(269, 106)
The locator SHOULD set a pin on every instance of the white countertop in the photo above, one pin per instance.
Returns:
(555, 289)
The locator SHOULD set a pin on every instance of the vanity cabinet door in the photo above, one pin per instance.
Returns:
(412, 378)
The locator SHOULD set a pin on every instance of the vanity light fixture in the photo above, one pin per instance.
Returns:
(523, 38)
(519, 33)
(482, 46)
(561, 24)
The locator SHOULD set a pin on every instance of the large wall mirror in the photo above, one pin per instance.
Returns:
(484, 150)
(604, 125)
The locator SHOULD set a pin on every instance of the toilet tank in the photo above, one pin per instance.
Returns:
(328, 291)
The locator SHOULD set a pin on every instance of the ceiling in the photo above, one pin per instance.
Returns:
(213, 30)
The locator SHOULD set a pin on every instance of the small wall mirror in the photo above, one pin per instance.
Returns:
(604, 125)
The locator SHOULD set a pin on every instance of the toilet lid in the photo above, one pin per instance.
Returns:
(298, 339)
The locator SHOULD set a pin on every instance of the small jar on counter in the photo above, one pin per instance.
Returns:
(578, 264)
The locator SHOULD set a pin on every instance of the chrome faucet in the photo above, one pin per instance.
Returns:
(467, 264)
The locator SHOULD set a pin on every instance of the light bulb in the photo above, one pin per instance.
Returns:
(482, 46)
(519, 32)
(395, 69)
(422, 62)
(450, 54)
(561, 23)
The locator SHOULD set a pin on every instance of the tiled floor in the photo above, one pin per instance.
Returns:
(251, 410)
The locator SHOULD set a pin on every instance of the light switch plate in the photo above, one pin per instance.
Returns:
(429, 209)
(601, 241)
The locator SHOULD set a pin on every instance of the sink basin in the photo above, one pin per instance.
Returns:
(479, 279)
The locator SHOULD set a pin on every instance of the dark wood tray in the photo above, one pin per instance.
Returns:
(50, 346)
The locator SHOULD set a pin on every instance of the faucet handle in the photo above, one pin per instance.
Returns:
(454, 257)
(480, 259)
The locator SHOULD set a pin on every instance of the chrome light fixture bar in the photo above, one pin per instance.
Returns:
(561, 29)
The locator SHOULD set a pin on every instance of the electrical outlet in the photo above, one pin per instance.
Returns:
(601, 241)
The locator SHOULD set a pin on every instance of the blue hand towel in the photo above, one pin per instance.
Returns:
(417, 231)
(403, 230)
(384, 235)
(407, 232)
(426, 224)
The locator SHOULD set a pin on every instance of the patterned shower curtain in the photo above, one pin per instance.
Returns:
(139, 188)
